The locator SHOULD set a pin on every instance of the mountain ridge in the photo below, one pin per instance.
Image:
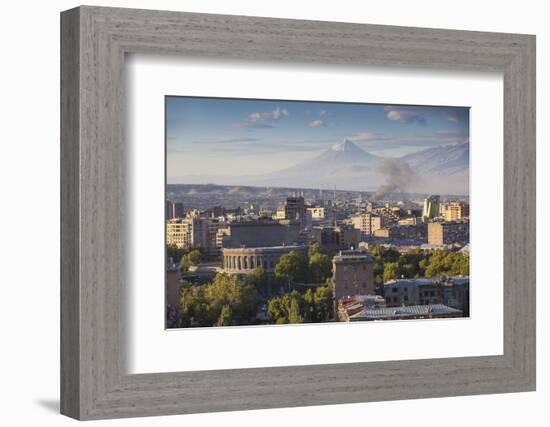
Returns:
(441, 169)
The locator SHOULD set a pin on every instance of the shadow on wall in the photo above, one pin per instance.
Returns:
(51, 405)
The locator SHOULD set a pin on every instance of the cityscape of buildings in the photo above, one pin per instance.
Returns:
(349, 232)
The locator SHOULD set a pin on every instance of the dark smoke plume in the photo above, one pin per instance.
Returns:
(398, 177)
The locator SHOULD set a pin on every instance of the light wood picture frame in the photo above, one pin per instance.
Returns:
(94, 381)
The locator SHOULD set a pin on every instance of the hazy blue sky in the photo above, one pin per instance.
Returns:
(211, 136)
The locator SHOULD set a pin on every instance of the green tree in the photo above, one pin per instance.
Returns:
(226, 316)
(172, 251)
(293, 307)
(294, 315)
(184, 264)
(320, 267)
(324, 303)
(314, 249)
(229, 290)
(258, 279)
(391, 271)
(291, 267)
(276, 310)
(443, 263)
(194, 257)
(287, 308)
(225, 300)
(195, 309)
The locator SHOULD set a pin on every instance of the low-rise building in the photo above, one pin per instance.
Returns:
(349, 306)
(245, 260)
(433, 311)
(389, 214)
(454, 292)
(332, 238)
(445, 233)
(260, 233)
(412, 292)
(403, 232)
(456, 211)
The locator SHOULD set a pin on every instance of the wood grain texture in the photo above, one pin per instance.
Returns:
(70, 314)
(94, 381)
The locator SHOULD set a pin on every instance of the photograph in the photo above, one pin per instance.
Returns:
(290, 212)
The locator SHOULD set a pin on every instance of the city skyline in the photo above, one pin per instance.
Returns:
(286, 212)
(215, 137)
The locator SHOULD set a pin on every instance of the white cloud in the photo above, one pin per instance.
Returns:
(318, 123)
(406, 116)
(267, 115)
(452, 118)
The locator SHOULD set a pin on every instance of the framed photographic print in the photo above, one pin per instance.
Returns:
(303, 212)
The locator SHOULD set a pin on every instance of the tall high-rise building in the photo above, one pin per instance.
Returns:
(174, 210)
(367, 223)
(431, 207)
(352, 274)
(295, 209)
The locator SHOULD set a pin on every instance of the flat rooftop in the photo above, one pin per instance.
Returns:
(411, 311)
(350, 256)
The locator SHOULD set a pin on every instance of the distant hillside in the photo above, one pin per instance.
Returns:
(346, 166)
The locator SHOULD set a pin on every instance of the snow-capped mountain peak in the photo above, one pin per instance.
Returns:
(346, 146)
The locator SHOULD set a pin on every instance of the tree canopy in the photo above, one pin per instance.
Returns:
(258, 279)
(226, 300)
(192, 258)
(291, 267)
(294, 307)
(390, 264)
(320, 267)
